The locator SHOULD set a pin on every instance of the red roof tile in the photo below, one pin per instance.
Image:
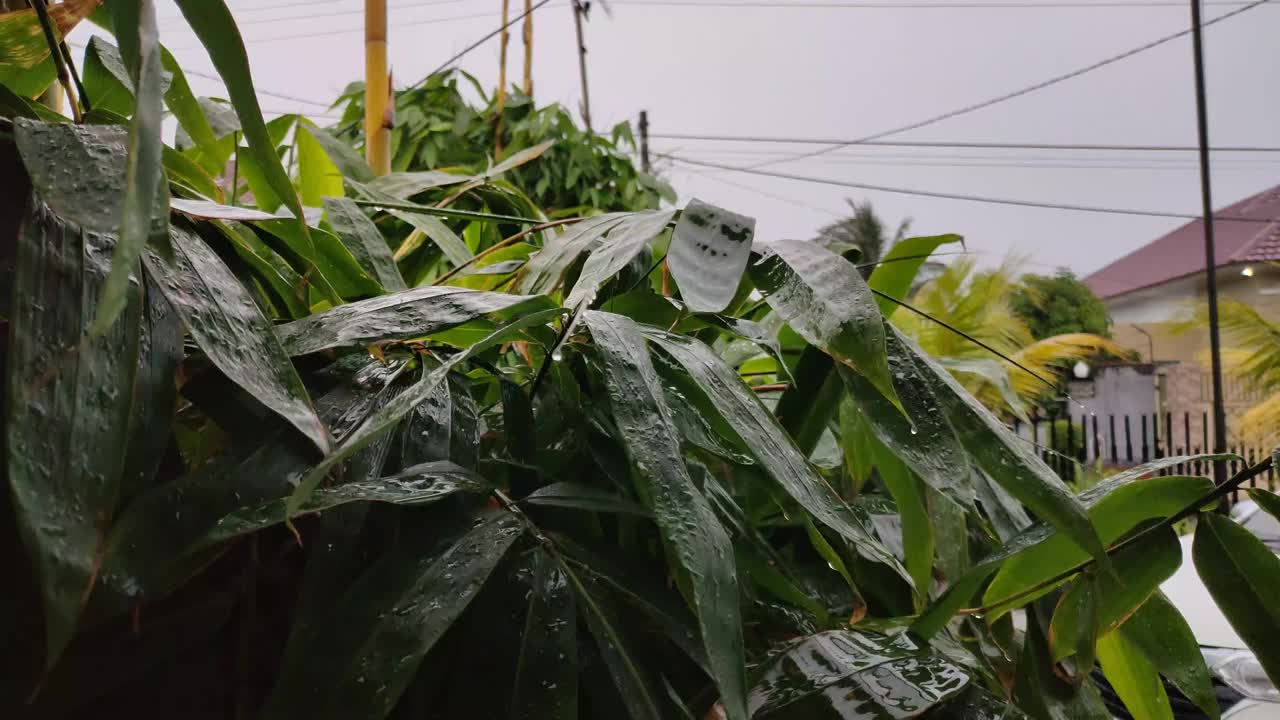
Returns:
(1181, 252)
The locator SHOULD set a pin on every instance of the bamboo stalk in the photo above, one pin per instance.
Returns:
(377, 102)
(527, 87)
(501, 100)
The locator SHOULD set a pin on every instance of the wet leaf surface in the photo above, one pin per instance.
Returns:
(1163, 636)
(625, 241)
(709, 252)
(365, 242)
(561, 250)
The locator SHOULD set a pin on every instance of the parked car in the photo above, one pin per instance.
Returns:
(1244, 690)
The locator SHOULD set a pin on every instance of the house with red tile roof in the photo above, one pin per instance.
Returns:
(1162, 282)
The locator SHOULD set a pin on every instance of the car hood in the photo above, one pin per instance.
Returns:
(1187, 592)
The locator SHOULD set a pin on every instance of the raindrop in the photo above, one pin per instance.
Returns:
(914, 430)
(557, 355)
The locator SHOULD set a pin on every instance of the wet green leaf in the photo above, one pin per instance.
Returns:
(318, 176)
(69, 407)
(1243, 576)
(359, 662)
(577, 496)
(623, 243)
(406, 314)
(1160, 632)
(849, 674)
(232, 331)
(444, 426)
(1133, 678)
(688, 524)
(287, 286)
(1268, 501)
(548, 265)
(404, 185)
(364, 241)
(545, 686)
(897, 270)
(519, 158)
(25, 64)
(343, 157)
(330, 267)
(709, 252)
(1074, 631)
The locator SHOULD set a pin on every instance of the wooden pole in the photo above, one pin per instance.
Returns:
(501, 100)
(644, 141)
(527, 87)
(578, 12)
(377, 99)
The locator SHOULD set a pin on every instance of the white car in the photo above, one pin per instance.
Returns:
(1244, 691)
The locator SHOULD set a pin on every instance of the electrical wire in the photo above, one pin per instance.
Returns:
(313, 15)
(764, 193)
(1153, 164)
(954, 144)
(970, 198)
(1023, 91)
(1052, 4)
(481, 41)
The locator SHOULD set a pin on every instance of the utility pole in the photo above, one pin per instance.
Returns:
(644, 140)
(1210, 255)
(501, 100)
(580, 11)
(377, 88)
(528, 49)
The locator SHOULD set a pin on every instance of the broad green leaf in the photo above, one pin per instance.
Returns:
(917, 532)
(343, 157)
(709, 252)
(688, 524)
(13, 105)
(548, 265)
(1268, 501)
(842, 674)
(1133, 678)
(365, 242)
(286, 285)
(445, 426)
(1115, 507)
(754, 333)
(107, 82)
(25, 65)
(623, 243)
(146, 195)
(897, 270)
(185, 173)
(1041, 692)
(406, 314)
(519, 158)
(405, 185)
(577, 496)
(212, 22)
(824, 299)
(229, 327)
(318, 176)
(1073, 634)
(1160, 632)
(545, 686)
(359, 662)
(182, 102)
(425, 226)
(331, 268)
(68, 408)
(760, 433)
(1243, 576)
(1007, 459)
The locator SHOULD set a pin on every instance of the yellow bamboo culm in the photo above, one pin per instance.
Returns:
(377, 99)
(501, 100)
(528, 49)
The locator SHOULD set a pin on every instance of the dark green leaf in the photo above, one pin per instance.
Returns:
(623, 243)
(545, 686)
(1074, 631)
(687, 522)
(406, 314)
(849, 674)
(232, 331)
(577, 496)
(548, 265)
(287, 286)
(405, 185)
(708, 254)
(1269, 502)
(359, 662)
(69, 406)
(184, 173)
(1243, 576)
(443, 427)
(364, 241)
(145, 198)
(1133, 678)
(333, 271)
(106, 81)
(897, 270)
(186, 108)
(1160, 632)
(917, 531)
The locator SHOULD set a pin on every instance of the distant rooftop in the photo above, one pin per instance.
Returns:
(1181, 252)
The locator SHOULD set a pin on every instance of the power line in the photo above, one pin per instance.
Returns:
(312, 15)
(970, 198)
(763, 193)
(945, 144)
(481, 41)
(1052, 4)
(1102, 165)
(1018, 93)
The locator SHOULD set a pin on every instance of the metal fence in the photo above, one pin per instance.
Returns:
(1077, 445)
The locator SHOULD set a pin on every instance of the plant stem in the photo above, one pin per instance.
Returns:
(505, 243)
(1218, 492)
(448, 213)
(59, 61)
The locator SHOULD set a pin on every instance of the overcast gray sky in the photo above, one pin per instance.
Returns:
(806, 71)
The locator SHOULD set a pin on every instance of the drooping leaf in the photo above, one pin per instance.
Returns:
(897, 270)
(69, 406)
(425, 227)
(847, 674)
(709, 252)
(917, 531)
(547, 266)
(25, 64)
(1039, 691)
(1268, 501)
(760, 433)
(359, 663)
(1134, 678)
(318, 176)
(106, 80)
(688, 524)
(404, 185)
(545, 686)
(182, 102)
(994, 372)
(577, 496)
(1243, 576)
(145, 197)
(329, 266)
(623, 243)
(443, 427)
(824, 299)
(186, 175)
(232, 331)
(343, 157)
(406, 314)
(364, 241)
(754, 333)
(1074, 631)
(517, 159)
(1160, 632)
(286, 284)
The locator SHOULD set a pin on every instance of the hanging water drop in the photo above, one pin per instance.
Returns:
(914, 430)
(557, 355)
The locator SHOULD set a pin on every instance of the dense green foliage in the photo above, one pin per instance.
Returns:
(1059, 304)
(429, 454)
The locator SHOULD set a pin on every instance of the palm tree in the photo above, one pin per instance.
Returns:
(980, 304)
(863, 230)
(1252, 356)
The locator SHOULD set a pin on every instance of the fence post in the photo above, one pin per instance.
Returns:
(1144, 438)
(1128, 442)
